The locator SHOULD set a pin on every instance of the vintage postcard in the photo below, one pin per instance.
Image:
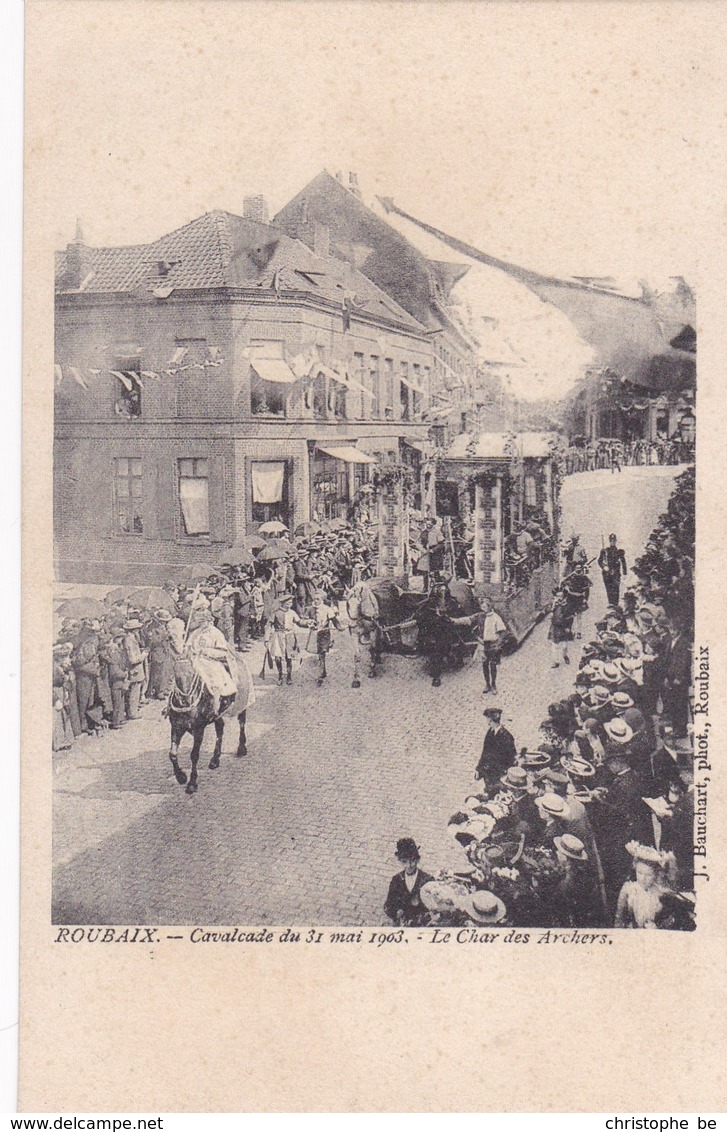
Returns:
(373, 596)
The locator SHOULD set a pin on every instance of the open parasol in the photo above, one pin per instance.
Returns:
(152, 597)
(272, 553)
(237, 556)
(119, 595)
(303, 530)
(195, 573)
(250, 542)
(83, 607)
(273, 527)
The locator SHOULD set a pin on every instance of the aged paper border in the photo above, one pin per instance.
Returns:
(638, 1025)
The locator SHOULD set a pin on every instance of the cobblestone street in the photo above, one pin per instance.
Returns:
(303, 830)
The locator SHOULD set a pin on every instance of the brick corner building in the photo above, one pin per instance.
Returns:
(223, 375)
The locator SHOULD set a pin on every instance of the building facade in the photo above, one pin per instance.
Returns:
(225, 375)
(330, 214)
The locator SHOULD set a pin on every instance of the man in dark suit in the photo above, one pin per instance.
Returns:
(498, 750)
(616, 813)
(612, 563)
(403, 903)
(675, 693)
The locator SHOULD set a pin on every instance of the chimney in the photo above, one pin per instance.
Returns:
(256, 208)
(78, 260)
(322, 240)
(353, 185)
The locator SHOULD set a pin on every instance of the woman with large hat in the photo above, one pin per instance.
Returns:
(640, 900)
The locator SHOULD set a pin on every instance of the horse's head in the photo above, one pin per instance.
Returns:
(184, 674)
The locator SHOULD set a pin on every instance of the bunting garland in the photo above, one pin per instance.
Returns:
(130, 378)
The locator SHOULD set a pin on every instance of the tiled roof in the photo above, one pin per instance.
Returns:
(220, 249)
(359, 234)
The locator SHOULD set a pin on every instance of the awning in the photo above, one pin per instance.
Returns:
(412, 385)
(356, 385)
(273, 369)
(347, 453)
(456, 377)
(416, 444)
(438, 414)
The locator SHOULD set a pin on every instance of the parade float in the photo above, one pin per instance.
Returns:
(488, 524)
(504, 488)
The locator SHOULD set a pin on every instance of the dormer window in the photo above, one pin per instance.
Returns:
(164, 266)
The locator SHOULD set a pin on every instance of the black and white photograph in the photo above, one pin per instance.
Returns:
(373, 674)
(374, 562)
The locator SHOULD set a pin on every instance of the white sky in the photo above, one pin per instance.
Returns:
(564, 137)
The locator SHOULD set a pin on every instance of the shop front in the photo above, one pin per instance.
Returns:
(338, 472)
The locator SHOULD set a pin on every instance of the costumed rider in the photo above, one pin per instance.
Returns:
(209, 652)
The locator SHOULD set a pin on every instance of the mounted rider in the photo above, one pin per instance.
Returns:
(210, 654)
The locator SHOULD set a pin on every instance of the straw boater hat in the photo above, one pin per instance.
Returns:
(630, 667)
(611, 673)
(598, 696)
(162, 615)
(515, 779)
(571, 846)
(535, 759)
(622, 701)
(554, 777)
(618, 730)
(555, 805)
(578, 767)
(132, 623)
(484, 907)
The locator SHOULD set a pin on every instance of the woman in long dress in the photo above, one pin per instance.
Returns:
(640, 900)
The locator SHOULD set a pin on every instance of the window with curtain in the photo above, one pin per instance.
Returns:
(374, 409)
(194, 496)
(128, 518)
(531, 491)
(405, 393)
(390, 405)
(267, 398)
(270, 491)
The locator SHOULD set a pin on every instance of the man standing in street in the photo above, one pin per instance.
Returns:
(494, 632)
(612, 563)
(114, 654)
(135, 657)
(498, 750)
(403, 902)
(87, 667)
